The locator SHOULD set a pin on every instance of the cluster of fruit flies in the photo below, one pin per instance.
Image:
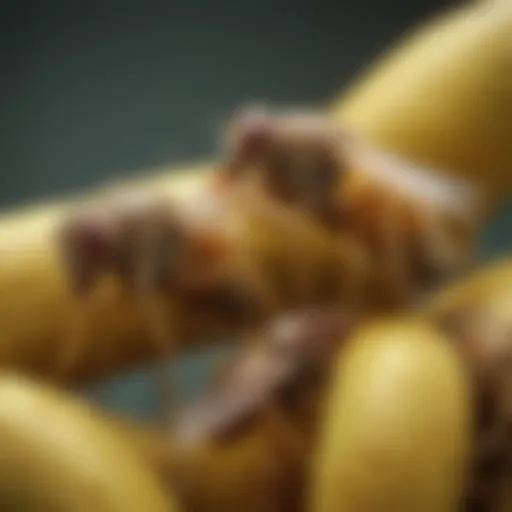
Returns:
(416, 227)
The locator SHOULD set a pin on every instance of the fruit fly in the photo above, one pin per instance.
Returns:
(178, 260)
(272, 387)
(296, 157)
(417, 226)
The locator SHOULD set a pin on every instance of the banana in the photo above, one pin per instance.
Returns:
(404, 395)
(479, 288)
(443, 97)
(58, 455)
(397, 432)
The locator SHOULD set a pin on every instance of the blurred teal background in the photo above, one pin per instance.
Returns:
(92, 91)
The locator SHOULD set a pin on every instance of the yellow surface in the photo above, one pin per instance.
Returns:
(58, 456)
(443, 96)
(397, 435)
(32, 287)
(489, 284)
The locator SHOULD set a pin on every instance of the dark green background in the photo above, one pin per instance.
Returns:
(91, 91)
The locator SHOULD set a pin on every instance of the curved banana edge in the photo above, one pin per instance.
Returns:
(443, 96)
(397, 433)
(59, 455)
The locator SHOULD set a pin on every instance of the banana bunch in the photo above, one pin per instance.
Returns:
(379, 411)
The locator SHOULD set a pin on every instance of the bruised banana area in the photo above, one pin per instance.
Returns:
(327, 410)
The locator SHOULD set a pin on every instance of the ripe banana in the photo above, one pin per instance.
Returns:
(58, 455)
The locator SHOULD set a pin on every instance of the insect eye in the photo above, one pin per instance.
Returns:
(90, 239)
(254, 140)
(248, 137)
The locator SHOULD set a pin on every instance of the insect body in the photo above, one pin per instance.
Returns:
(296, 157)
(140, 242)
(179, 262)
(416, 225)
